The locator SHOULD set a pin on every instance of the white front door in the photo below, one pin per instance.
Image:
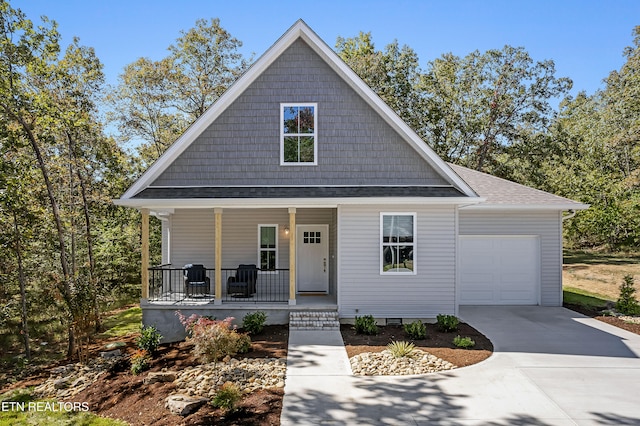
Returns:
(312, 258)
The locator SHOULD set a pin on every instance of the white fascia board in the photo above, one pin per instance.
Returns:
(522, 207)
(195, 203)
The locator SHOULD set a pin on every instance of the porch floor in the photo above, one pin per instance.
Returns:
(323, 301)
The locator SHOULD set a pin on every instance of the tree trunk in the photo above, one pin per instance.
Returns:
(23, 290)
(55, 211)
(87, 220)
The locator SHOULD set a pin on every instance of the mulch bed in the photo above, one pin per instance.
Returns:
(437, 343)
(632, 327)
(121, 395)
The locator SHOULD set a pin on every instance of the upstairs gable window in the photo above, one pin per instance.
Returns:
(298, 138)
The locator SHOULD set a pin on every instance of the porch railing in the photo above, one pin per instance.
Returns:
(167, 283)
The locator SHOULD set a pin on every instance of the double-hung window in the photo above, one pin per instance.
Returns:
(298, 137)
(397, 243)
(268, 247)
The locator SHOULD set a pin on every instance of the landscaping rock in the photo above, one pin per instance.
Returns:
(385, 364)
(67, 380)
(159, 376)
(111, 354)
(183, 405)
(247, 374)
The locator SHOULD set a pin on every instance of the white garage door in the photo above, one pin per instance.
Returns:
(499, 270)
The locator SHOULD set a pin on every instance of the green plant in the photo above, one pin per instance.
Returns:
(213, 340)
(253, 323)
(463, 342)
(227, 397)
(244, 343)
(401, 349)
(366, 325)
(139, 362)
(416, 330)
(447, 323)
(149, 339)
(627, 303)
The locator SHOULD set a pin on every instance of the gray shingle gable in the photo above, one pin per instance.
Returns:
(355, 145)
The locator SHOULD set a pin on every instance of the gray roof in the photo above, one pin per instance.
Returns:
(297, 192)
(502, 192)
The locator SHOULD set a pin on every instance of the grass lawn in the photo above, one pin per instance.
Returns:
(122, 323)
(593, 276)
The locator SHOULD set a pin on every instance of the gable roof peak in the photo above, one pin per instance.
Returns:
(299, 30)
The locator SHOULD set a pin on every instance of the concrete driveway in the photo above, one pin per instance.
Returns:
(551, 366)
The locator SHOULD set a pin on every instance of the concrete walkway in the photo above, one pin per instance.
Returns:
(551, 366)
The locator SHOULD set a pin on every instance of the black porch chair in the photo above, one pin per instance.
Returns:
(244, 283)
(196, 281)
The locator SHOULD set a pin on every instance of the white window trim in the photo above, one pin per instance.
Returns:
(260, 249)
(415, 243)
(314, 134)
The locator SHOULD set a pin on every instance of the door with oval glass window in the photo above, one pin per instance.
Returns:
(312, 258)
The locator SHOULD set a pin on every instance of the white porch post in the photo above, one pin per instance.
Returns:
(218, 256)
(144, 273)
(292, 255)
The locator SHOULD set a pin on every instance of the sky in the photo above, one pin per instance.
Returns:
(585, 38)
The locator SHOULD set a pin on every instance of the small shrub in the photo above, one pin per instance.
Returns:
(448, 323)
(227, 397)
(253, 323)
(244, 343)
(366, 325)
(401, 349)
(416, 330)
(149, 339)
(463, 342)
(139, 361)
(627, 303)
(213, 340)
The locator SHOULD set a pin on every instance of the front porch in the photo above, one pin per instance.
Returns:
(162, 313)
(292, 252)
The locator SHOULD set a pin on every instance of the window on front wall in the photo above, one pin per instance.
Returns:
(298, 141)
(397, 243)
(268, 250)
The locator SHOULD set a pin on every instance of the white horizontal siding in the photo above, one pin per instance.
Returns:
(545, 224)
(192, 234)
(192, 237)
(364, 291)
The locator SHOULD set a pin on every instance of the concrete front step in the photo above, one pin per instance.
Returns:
(314, 320)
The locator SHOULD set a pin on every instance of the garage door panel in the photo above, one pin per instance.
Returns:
(499, 270)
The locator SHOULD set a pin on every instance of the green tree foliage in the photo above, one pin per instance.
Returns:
(393, 73)
(155, 101)
(479, 106)
(593, 155)
(52, 176)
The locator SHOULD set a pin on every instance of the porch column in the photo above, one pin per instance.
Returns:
(292, 255)
(145, 253)
(218, 255)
